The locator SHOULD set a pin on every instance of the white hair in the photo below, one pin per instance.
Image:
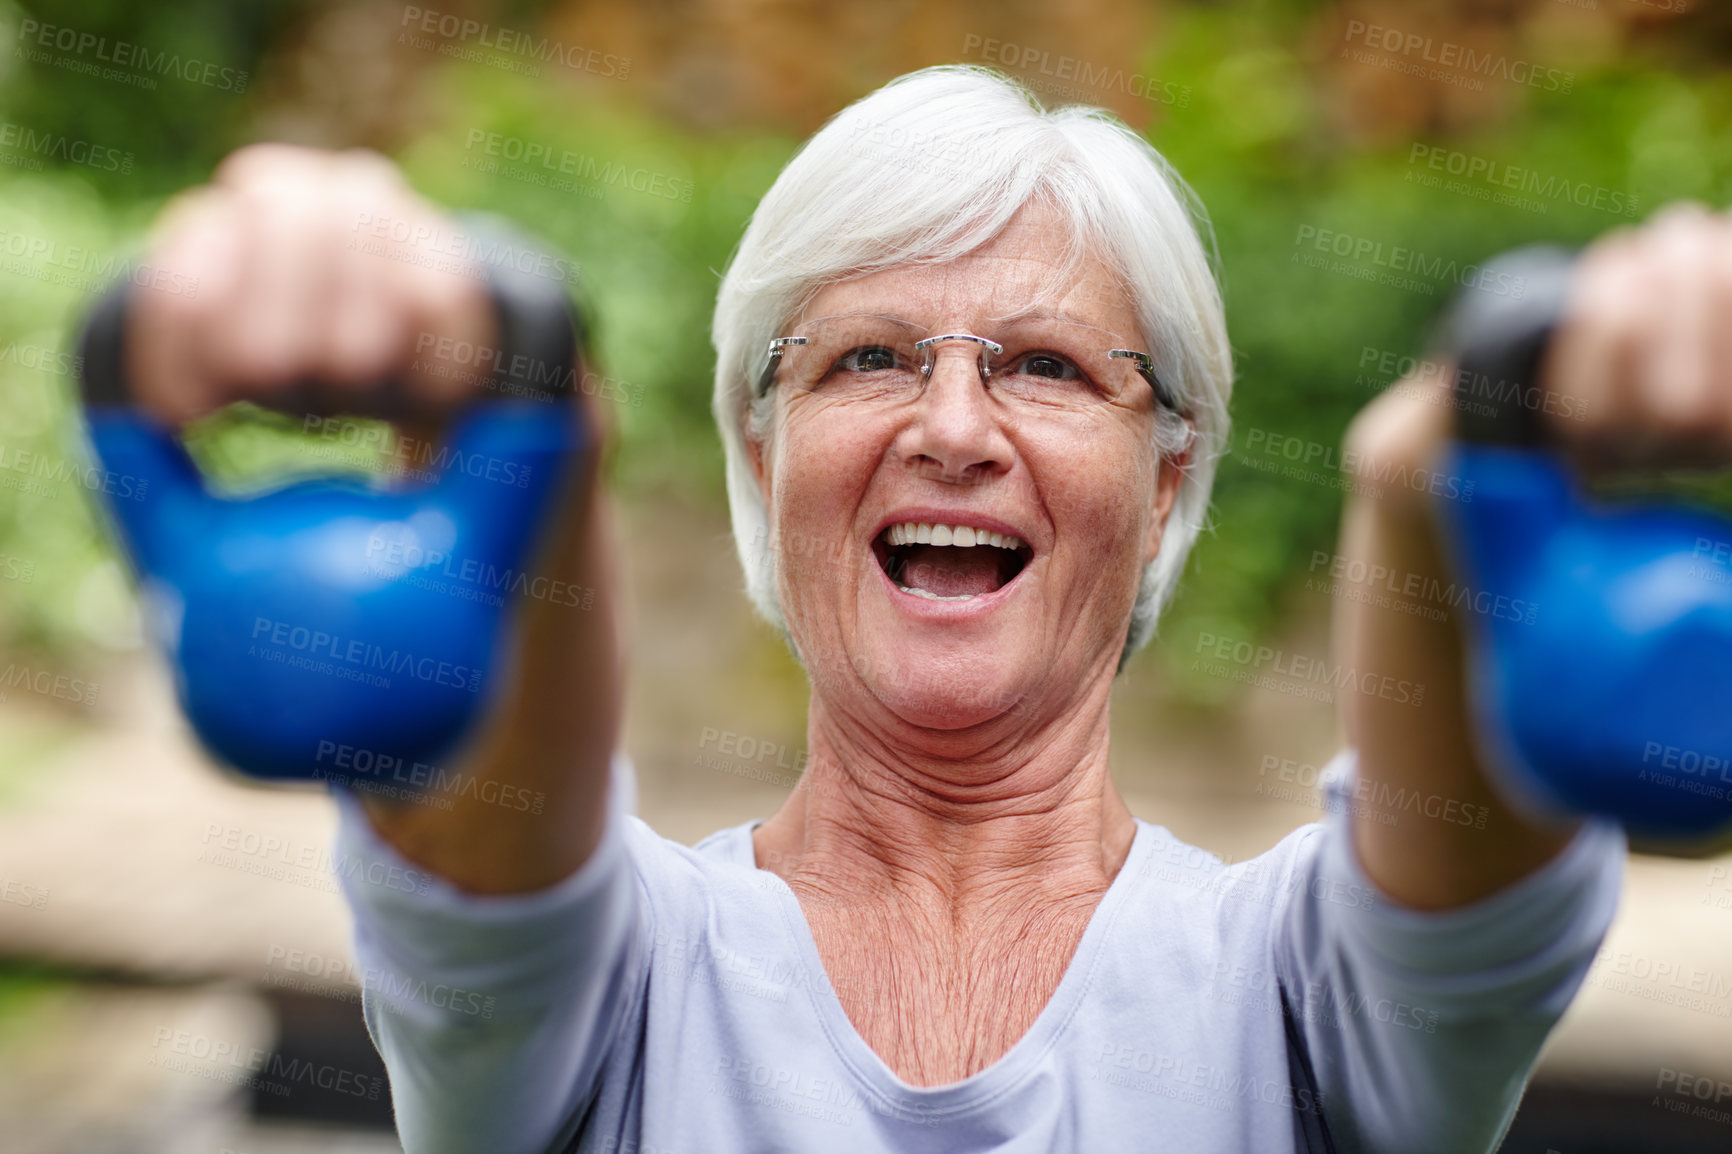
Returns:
(926, 169)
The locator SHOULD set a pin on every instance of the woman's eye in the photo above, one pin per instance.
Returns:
(873, 359)
(1048, 367)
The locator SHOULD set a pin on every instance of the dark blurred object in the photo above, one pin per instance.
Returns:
(1622, 1119)
(324, 1067)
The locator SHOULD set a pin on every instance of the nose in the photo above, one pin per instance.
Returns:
(956, 434)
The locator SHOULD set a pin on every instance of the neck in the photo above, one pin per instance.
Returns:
(959, 822)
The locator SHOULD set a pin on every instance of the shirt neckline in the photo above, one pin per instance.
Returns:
(933, 1104)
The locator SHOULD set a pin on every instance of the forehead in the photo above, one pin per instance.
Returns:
(1029, 264)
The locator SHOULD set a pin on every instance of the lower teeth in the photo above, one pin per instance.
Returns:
(935, 597)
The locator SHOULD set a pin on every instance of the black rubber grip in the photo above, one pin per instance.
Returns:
(541, 342)
(1498, 342)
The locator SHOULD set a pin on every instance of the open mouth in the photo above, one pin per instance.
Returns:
(949, 562)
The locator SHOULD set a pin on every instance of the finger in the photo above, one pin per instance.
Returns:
(259, 166)
(1674, 369)
(1720, 326)
(167, 333)
(449, 303)
(1588, 354)
(282, 305)
(369, 316)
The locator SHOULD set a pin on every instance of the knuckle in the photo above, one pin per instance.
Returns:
(1399, 425)
(264, 163)
(176, 316)
(1682, 214)
(360, 355)
(369, 169)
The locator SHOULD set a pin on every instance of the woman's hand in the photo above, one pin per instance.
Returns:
(1646, 345)
(327, 268)
(309, 266)
(1642, 360)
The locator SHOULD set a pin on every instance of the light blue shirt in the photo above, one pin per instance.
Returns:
(671, 1000)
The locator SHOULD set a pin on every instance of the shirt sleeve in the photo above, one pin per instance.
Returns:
(1422, 1028)
(493, 1014)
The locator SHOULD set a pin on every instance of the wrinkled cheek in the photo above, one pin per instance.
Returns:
(814, 568)
(1108, 564)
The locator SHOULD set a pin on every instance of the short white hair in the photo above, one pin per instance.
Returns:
(926, 169)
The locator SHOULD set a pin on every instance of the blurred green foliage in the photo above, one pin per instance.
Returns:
(1257, 140)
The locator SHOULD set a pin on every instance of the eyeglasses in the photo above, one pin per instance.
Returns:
(1037, 363)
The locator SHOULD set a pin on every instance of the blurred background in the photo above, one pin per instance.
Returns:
(174, 970)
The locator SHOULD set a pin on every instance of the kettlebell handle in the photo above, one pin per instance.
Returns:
(1498, 343)
(541, 343)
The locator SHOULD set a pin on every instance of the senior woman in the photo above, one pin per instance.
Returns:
(972, 380)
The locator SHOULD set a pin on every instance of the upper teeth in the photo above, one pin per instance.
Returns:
(920, 533)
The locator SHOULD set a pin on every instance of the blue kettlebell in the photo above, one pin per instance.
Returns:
(1616, 699)
(329, 628)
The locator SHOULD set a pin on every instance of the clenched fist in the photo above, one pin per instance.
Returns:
(310, 266)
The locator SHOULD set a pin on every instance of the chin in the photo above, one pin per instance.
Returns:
(944, 687)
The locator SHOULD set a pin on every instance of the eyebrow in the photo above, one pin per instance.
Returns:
(1027, 314)
(1043, 315)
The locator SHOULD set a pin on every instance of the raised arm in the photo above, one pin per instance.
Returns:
(1636, 375)
(328, 267)
(496, 994)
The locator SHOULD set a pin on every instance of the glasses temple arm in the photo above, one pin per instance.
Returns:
(1146, 368)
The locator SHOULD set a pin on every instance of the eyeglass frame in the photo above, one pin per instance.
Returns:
(1144, 364)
